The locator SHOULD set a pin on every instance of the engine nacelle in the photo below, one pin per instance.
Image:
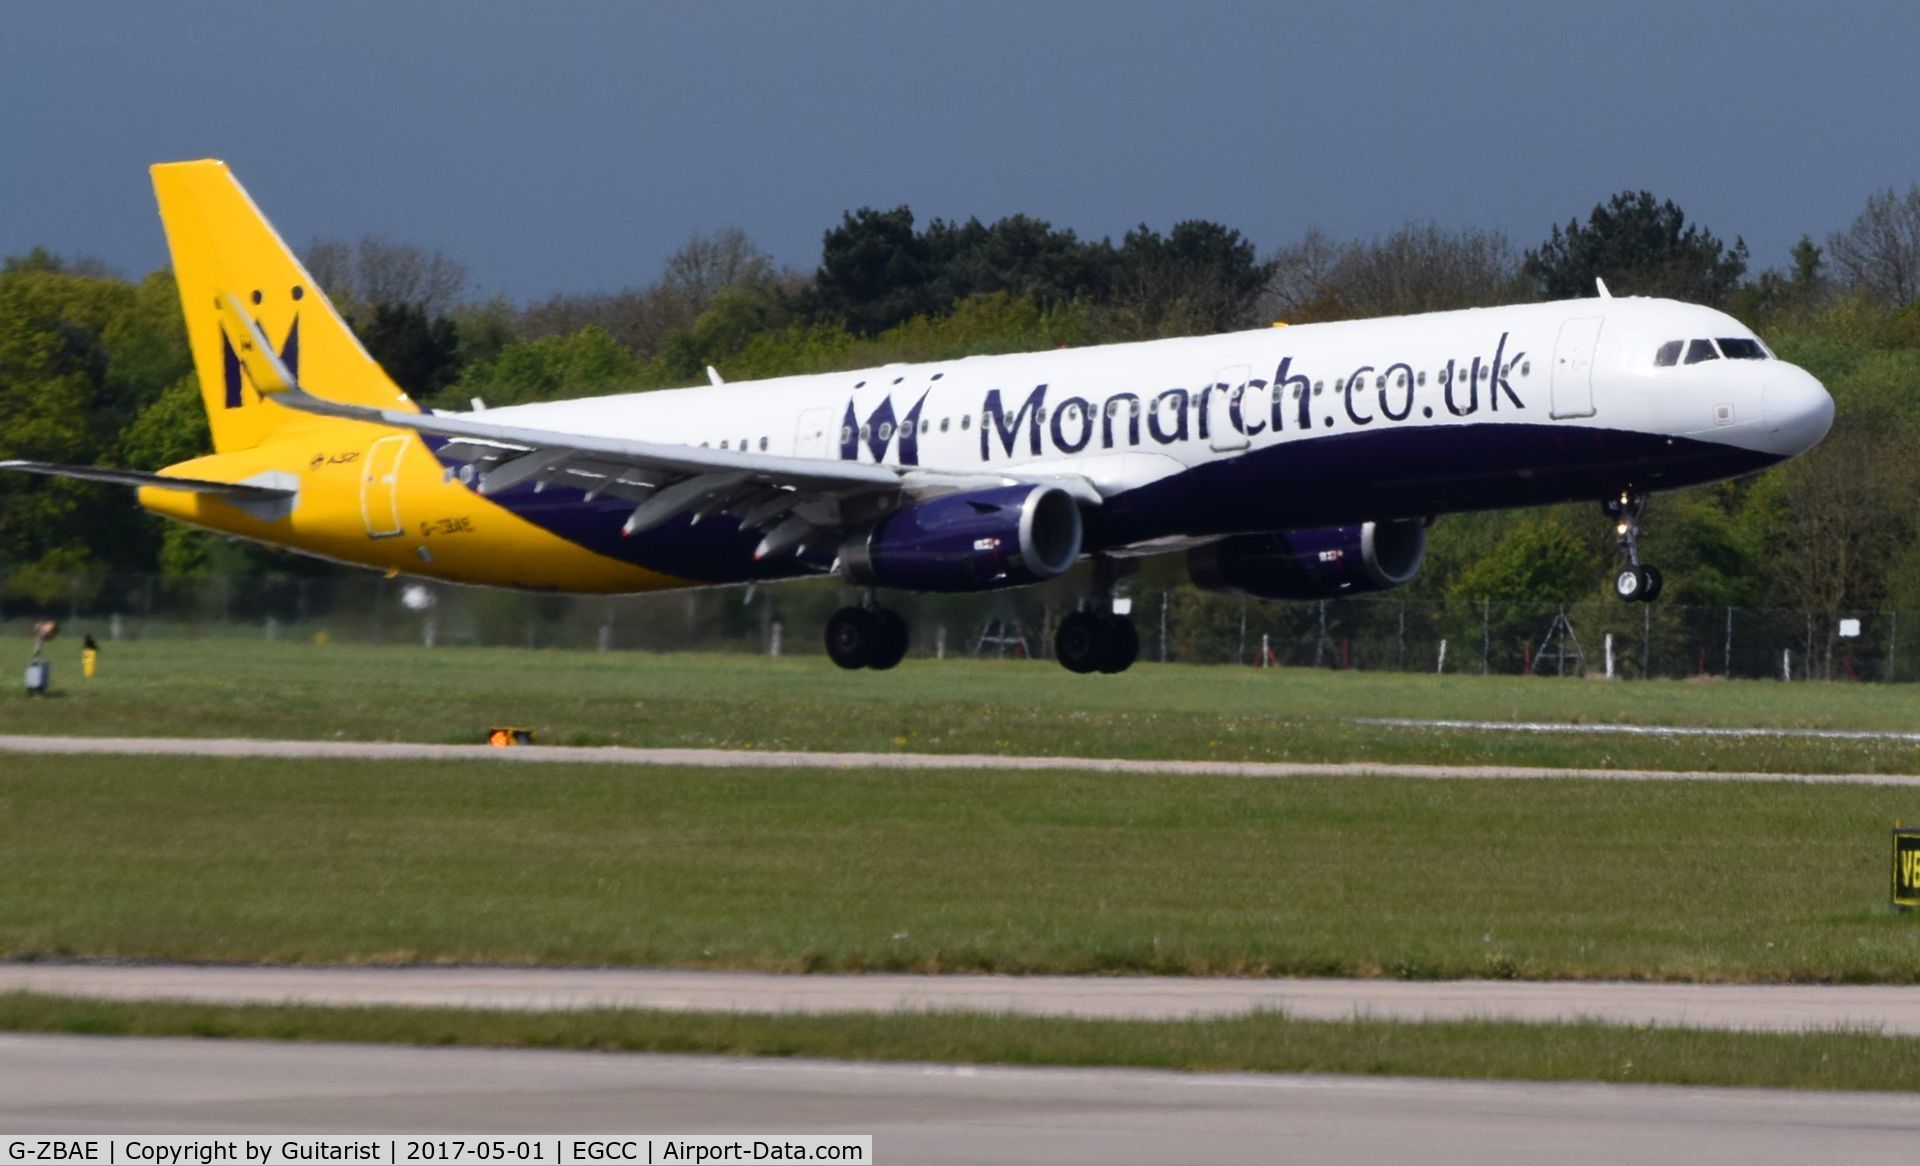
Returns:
(975, 540)
(1312, 564)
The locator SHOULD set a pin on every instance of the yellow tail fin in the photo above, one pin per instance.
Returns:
(224, 247)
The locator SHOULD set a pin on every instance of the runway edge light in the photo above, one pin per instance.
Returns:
(1906, 867)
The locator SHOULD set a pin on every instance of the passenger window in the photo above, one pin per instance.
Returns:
(1700, 350)
(943, 424)
(763, 445)
(965, 419)
(1423, 376)
(1668, 355)
(846, 434)
(1740, 348)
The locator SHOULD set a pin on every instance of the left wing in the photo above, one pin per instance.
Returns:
(795, 500)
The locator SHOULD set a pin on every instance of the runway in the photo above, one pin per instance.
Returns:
(750, 759)
(927, 1113)
(1772, 1007)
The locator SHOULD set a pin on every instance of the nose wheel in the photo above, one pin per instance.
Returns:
(1636, 581)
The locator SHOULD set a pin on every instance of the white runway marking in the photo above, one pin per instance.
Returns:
(750, 759)
(1890, 1009)
(1642, 730)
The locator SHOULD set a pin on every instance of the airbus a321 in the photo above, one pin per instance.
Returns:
(1285, 463)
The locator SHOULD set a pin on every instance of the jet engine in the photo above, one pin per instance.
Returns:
(1322, 563)
(974, 540)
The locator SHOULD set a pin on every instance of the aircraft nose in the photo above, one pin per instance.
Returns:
(1798, 410)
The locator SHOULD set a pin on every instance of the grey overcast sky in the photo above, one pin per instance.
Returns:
(571, 147)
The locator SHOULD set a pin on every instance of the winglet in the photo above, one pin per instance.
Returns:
(1601, 285)
(264, 367)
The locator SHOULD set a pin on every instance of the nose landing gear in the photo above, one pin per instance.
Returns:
(1095, 639)
(1635, 581)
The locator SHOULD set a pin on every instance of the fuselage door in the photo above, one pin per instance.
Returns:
(380, 486)
(810, 439)
(1229, 387)
(1573, 367)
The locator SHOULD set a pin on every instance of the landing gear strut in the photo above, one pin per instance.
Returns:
(1635, 581)
(868, 636)
(1094, 639)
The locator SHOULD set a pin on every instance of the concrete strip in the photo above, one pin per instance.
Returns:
(749, 759)
(1773, 1007)
(1576, 727)
(928, 1113)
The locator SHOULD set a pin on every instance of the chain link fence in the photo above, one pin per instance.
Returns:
(1180, 624)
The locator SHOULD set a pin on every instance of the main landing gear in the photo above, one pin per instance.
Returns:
(1094, 639)
(1635, 580)
(868, 636)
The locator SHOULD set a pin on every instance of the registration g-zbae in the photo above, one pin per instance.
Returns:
(1286, 463)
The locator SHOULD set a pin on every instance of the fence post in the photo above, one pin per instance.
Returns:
(1240, 649)
(1786, 665)
(1320, 645)
(1443, 656)
(1609, 655)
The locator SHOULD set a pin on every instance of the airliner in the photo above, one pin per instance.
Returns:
(1285, 463)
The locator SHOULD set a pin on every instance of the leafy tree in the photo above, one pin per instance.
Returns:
(586, 363)
(735, 316)
(1019, 256)
(1538, 561)
(1200, 277)
(421, 355)
(875, 271)
(1640, 247)
(1777, 297)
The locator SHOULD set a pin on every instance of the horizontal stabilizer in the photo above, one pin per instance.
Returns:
(236, 490)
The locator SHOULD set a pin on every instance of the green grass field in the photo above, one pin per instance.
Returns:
(277, 689)
(873, 869)
(1265, 1042)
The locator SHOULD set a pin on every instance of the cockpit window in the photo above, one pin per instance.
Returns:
(1669, 354)
(1741, 348)
(1699, 350)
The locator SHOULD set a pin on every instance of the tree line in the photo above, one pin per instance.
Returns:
(94, 367)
